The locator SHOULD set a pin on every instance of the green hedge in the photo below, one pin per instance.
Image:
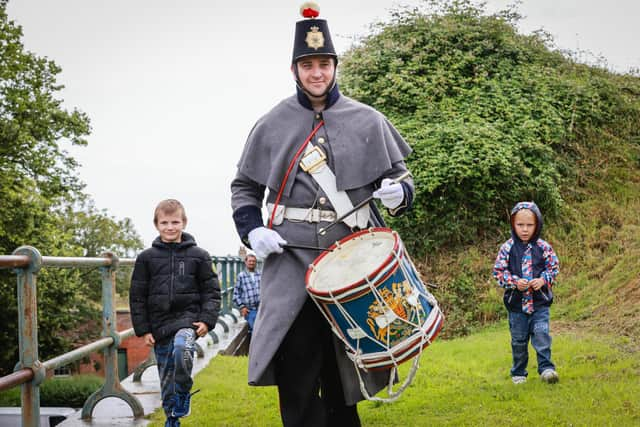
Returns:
(59, 391)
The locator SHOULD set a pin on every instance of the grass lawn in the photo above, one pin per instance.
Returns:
(461, 382)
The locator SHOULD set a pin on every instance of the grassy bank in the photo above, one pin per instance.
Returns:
(463, 381)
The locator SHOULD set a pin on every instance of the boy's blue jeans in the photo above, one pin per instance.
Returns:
(175, 362)
(533, 326)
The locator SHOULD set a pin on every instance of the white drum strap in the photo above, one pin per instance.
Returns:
(325, 178)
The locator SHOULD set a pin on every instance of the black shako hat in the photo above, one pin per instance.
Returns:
(312, 35)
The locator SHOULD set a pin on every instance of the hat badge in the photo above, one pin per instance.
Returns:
(315, 38)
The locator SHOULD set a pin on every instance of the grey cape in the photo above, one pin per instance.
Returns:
(362, 148)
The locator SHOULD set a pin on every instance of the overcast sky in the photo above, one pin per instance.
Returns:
(172, 88)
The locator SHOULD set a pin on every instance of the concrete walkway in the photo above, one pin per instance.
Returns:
(115, 412)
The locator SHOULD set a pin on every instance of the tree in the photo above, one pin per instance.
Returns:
(97, 232)
(42, 203)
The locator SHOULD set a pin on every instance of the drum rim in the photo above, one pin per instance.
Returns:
(397, 245)
(357, 290)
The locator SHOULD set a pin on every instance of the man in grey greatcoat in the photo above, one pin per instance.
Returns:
(319, 154)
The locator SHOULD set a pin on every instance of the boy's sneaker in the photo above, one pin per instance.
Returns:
(518, 379)
(182, 404)
(549, 376)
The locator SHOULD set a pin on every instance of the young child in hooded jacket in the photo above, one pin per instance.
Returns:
(526, 267)
(174, 298)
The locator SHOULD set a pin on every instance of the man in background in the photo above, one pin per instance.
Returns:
(246, 293)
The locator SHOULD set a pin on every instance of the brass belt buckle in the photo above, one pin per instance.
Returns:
(313, 160)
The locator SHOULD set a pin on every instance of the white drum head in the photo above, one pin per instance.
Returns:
(354, 260)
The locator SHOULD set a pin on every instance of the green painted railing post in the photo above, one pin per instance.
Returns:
(224, 282)
(235, 266)
(233, 274)
(28, 335)
(228, 268)
(111, 386)
(233, 263)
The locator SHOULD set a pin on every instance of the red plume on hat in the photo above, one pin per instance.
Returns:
(310, 9)
(312, 35)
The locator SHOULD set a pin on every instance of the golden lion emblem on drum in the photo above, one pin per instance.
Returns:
(396, 314)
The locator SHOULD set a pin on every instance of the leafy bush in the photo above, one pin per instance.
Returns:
(10, 397)
(71, 391)
(493, 116)
(59, 391)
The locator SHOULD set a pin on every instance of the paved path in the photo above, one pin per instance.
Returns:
(115, 412)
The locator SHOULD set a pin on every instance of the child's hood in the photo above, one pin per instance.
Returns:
(533, 208)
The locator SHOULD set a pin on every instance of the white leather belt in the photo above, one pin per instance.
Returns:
(300, 214)
(314, 163)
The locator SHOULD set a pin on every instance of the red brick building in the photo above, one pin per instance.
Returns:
(132, 352)
(132, 349)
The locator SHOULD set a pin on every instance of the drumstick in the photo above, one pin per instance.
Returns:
(312, 248)
(324, 230)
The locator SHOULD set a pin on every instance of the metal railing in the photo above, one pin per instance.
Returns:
(30, 372)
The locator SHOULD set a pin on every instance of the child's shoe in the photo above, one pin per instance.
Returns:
(182, 404)
(549, 376)
(517, 379)
(172, 422)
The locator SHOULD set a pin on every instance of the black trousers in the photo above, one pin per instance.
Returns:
(307, 375)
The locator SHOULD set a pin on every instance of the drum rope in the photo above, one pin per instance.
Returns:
(350, 320)
(393, 396)
(382, 303)
(424, 338)
(352, 323)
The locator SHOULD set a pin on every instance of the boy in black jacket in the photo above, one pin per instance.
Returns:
(174, 297)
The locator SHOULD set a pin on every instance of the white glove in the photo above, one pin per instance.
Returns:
(265, 241)
(391, 195)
